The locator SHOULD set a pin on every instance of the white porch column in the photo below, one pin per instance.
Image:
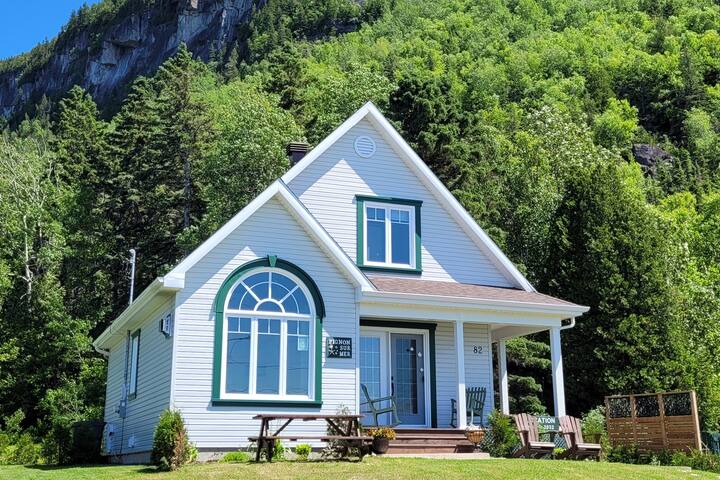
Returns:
(503, 378)
(557, 372)
(460, 348)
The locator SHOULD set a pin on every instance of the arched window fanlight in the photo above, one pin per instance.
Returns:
(270, 292)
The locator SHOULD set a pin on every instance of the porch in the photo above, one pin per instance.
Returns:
(424, 350)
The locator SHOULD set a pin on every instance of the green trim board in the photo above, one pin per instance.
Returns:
(266, 403)
(219, 308)
(430, 327)
(360, 230)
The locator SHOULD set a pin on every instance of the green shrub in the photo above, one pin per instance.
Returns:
(624, 454)
(171, 447)
(236, 457)
(593, 424)
(501, 437)
(697, 460)
(303, 451)
(278, 451)
(18, 447)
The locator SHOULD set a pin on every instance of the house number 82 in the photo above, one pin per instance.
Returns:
(477, 348)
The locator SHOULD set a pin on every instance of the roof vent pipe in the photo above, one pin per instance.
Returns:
(296, 151)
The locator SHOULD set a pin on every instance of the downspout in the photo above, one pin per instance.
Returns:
(101, 351)
(569, 325)
(124, 396)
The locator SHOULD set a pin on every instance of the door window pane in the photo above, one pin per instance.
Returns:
(298, 357)
(237, 376)
(406, 366)
(375, 234)
(370, 366)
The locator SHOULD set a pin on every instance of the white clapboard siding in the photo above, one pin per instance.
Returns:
(270, 231)
(478, 372)
(153, 385)
(328, 187)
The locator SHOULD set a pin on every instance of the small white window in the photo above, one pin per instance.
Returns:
(134, 358)
(389, 235)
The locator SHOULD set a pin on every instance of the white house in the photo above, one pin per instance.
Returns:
(358, 241)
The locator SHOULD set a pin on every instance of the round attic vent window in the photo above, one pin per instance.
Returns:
(364, 146)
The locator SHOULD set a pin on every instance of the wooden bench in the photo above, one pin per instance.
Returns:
(351, 434)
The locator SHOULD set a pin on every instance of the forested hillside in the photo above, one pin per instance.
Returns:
(537, 114)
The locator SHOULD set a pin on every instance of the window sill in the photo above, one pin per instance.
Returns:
(377, 268)
(226, 402)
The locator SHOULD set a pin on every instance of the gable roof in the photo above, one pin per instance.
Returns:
(447, 199)
(174, 280)
(277, 189)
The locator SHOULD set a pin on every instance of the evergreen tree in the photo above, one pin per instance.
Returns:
(81, 163)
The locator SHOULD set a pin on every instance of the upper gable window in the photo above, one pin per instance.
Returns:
(388, 233)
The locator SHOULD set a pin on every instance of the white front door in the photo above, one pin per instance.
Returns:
(393, 361)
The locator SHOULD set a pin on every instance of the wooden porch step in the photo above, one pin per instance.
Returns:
(430, 441)
(423, 431)
(412, 447)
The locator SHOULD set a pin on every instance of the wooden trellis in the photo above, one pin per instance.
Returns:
(654, 421)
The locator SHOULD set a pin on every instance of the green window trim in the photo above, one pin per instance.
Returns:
(271, 261)
(430, 327)
(360, 202)
(136, 334)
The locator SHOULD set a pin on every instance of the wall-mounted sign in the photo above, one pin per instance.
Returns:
(338, 347)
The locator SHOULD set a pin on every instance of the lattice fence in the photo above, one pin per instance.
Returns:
(654, 421)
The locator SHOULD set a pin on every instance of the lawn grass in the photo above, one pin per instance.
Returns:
(370, 468)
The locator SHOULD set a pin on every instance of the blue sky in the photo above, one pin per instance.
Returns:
(25, 23)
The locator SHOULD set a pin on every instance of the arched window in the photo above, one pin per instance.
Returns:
(269, 326)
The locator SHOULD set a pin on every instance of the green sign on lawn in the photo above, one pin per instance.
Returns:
(548, 423)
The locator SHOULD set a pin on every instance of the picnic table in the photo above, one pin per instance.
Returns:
(350, 434)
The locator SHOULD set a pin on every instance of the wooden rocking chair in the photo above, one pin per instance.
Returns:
(374, 405)
(474, 404)
(576, 447)
(530, 444)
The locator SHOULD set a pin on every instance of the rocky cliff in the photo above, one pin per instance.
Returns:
(105, 60)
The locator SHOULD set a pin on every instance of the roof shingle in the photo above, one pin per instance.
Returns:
(463, 290)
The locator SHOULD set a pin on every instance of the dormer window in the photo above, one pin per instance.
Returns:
(388, 234)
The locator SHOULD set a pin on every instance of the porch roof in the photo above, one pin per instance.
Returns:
(464, 290)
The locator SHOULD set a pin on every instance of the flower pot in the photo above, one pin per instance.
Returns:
(380, 445)
(475, 436)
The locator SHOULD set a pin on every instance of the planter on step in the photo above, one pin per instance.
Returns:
(380, 445)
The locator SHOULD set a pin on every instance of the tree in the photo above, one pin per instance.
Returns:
(81, 164)
(612, 252)
(248, 152)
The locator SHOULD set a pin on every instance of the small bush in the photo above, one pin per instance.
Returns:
(697, 460)
(278, 451)
(501, 438)
(624, 454)
(593, 424)
(303, 451)
(18, 447)
(236, 457)
(171, 447)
